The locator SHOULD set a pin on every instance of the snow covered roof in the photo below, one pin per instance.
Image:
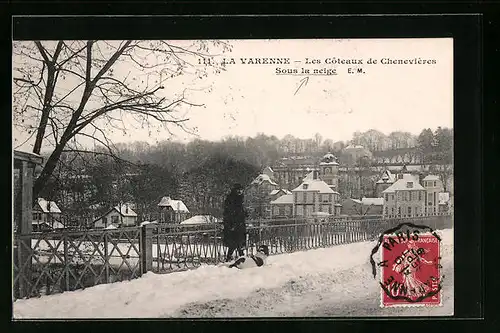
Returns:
(408, 183)
(284, 199)
(372, 201)
(48, 206)
(431, 177)
(309, 176)
(313, 185)
(357, 201)
(354, 147)
(387, 178)
(267, 170)
(148, 222)
(125, 210)
(111, 226)
(263, 178)
(177, 205)
(274, 192)
(320, 214)
(200, 219)
(328, 159)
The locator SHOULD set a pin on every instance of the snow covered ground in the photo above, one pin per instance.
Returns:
(335, 281)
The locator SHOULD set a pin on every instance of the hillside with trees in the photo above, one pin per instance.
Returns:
(201, 172)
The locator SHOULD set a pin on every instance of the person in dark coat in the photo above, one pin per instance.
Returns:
(234, 234)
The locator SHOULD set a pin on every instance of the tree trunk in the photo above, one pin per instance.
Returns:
(47, 171)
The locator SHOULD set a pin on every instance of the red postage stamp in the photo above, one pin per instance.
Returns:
(410, 270)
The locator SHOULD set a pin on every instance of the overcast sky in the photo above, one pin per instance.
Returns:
(248, 99)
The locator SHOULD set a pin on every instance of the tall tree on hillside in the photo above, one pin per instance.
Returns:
(443, 138)
(68, 90)
(204, 187)
(150, 184)
(425, 144)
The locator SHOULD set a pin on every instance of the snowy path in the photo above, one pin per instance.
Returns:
(335, 281)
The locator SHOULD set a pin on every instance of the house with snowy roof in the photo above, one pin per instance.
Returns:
(314, 195)
(386, 180)
(260, 192)
(119, 216)
(282, 207)
(201, 219)
(404, 198)
(46, 216)
(172, 211)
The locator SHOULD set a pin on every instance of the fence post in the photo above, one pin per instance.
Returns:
(146, 248)
(66, 262)
(106, 257)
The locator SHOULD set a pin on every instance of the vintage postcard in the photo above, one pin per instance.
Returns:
(233, 178)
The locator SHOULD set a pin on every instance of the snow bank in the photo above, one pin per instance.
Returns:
(155, 296)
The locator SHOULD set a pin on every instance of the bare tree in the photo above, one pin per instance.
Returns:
(66, 91)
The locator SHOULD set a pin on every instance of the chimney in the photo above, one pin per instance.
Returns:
(48, 206)
(126, 208)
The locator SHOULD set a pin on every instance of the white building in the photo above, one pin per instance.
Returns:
(122, 216)
(404, 198)
(46, 216)
(314, 195)
(433, 185)
(172, 211)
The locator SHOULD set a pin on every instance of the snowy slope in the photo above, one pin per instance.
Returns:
(303, 283)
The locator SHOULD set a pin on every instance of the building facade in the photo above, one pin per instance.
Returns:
(314, 196)
(433, 186)
(329, 169)
(405, 198)
(172, 211)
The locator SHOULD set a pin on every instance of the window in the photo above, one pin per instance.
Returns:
(409, 210)
(325, 198)
(114, 219)
(310, 197)
(434, 183)
(287, 210)
(392, 210)
(276, 210)
(399, 210)
(409, 184)
(304, 197)
(392, 196)
(386, 197)
(305, 186)
(434, 198)
(328, 170)
(386, 210)
(419, 195)
(300, 210)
